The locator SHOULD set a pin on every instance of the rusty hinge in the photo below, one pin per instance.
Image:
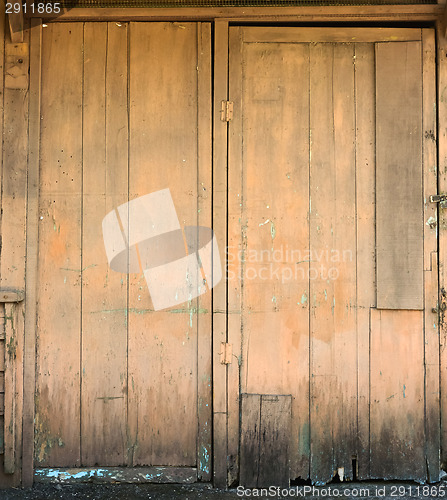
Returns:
(226, 353)
(226, 112)
(439, 198)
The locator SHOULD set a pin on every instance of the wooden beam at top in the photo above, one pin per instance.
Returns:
(424, 12)
(16, 26)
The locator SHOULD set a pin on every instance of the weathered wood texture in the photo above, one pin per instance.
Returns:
(14, 112)
(272, 14)
(119, 383)
(309, 325)
(265, 438)
(220, 134)
(29, 368)
(105, 172)
(399, 204)
(442, 224)
(397, 395)
(431, 326)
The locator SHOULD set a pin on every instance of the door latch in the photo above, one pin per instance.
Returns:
(439, 198)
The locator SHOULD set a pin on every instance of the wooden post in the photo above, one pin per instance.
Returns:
(220, 228)
(31, 254)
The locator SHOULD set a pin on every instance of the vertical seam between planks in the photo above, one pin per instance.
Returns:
(198, 27)
(309, 301)
(437, 179)
(424, 298)
(82, 240)
(129, 458)
(356, 256)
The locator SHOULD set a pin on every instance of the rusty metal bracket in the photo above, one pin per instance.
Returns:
(439, 198)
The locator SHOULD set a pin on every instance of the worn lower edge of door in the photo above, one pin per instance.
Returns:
(116, 475)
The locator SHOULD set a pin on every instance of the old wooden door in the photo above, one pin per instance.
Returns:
(119, 383)
(332, 253)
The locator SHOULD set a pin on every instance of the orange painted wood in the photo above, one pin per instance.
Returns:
(431, 323)
(397, 395)
(30, 316)
(399, 204)
(220, 228)
(442, 224)
(104, 291)
(236, 231)
(13, 251)
(338, 34)
(365, 238)
(333, 294)
(204, 217)
(58, 403)
(268, 234)
(163, 357)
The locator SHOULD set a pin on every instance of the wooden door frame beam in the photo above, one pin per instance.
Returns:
(345, 13)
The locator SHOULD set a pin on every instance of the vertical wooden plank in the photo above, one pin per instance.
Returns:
(32, 218)
(10, 415)
(163, 154)
(235, 233)
(13, 254)
(220, 228)
(397, 395)
(268, 234)
(57, 419)
(276, 420)
(333, 287)
(429, 128)
(104, 292)
(250, 436)
(204, 214)
(365, 228)
(399, 204)
(442, 215)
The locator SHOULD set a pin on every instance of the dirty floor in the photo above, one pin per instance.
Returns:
(370, 490)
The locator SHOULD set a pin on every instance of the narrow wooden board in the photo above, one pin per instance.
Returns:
(250, 439)
(274, 435)
(9, 458)
(204, 218)
(30, 319)
(330, 35)
(220, 133)
(431, 326)
(355, 13)
(399, 204)
(57, 419)
(442, 225)
(13, 251)
(162, 345)
(397, 395)
(365, 229)
(104, 291)
(236, 228)
(333, 411)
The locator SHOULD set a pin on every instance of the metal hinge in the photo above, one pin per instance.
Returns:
(226, 112)
(439, 198)
(226, 353)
